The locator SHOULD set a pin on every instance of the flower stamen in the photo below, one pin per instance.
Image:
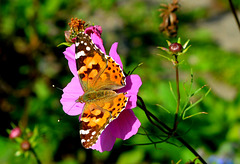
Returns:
(76, 26)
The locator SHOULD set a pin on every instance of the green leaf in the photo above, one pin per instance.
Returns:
(165, 57)
(186, 43)
(135, 68)
(179, 40)
(165, 109)
(18, 153)
(35, 134)
(189, 93)
(194, 115)
(19, 140)
(171, 89)
(186, 49)
(168, 42)
(65, 44)
(194, 104)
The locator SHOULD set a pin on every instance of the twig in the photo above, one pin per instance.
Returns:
(150, 116)
(178, 95)
(36, 156)
(234, 13)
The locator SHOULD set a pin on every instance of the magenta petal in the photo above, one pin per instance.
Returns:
(132, 102)
(126, 125)
(113, 53)
(70, 94)
(98, 42)
(106, 141)
(94, 29)
(70, 56)
(133, 83)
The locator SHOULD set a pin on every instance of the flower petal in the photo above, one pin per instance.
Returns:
(133, 83)
(113, 53)
(98, 42)
(94, 29)
(105, 142)
(70, 56)
(126, 125)
(70, 94)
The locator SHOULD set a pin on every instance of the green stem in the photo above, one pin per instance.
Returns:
(36, 156)
(191, 149)
(178, 95)
(151, 116)
(164, 128)
(234, 13)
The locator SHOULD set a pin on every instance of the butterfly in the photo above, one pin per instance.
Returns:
(100, 76)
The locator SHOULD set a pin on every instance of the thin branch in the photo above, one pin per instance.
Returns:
(36, 156)
(178, 95)
(234, 13)
(191, 149)
(148, 114)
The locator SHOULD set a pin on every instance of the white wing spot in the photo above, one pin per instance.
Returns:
(88, 48)
(77, 44)
(80, 53)
(82, 42)
(84, 131)
(85, 43)
(83, 140)
(93, 133)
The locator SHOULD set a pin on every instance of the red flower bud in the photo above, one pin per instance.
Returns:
(25, 145)
(175, 47)
(16, 132)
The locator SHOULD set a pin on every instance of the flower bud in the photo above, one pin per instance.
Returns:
(16, 132)
(175, 47)
(25, 145)
(67, 36)
(94, 29)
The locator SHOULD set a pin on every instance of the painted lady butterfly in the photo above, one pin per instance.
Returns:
(99, 76)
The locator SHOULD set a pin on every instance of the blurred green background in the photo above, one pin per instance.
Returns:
(30, 62)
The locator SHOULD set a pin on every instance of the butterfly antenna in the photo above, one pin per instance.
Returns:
(57, 87)
(63, 115)
(61, 118)
(62, 90)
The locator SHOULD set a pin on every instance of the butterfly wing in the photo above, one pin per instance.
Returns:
(90, 61)
(95, 69)
(112, 77)
(98, 115)
(98, 72)
(94, 119)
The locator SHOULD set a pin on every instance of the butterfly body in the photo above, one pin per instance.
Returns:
(92, 96)
(100, 78)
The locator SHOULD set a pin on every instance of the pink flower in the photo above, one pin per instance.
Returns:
(16, 132)
(127, 124)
